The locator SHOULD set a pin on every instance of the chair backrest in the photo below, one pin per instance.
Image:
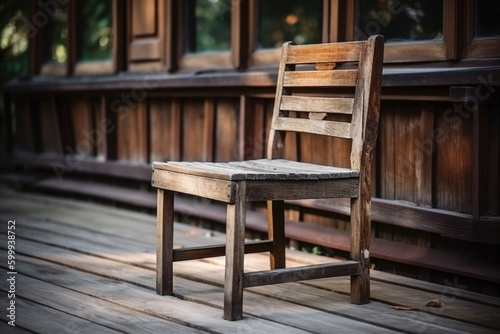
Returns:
(304, 101)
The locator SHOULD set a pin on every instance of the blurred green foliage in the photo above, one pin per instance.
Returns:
(14, 55)
(95, 17)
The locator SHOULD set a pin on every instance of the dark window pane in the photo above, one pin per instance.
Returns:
(208, 25)
(56, 33)
(400, 20)
(95, 29)
(487, 18)
(293, 20)
(15, 30)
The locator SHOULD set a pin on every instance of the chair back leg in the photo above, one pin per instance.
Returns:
(276, 232)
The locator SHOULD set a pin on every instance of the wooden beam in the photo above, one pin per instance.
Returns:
(286, 275)
(202, 252)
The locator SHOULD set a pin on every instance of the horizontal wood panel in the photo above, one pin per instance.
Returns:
(307, 54)
(320, 78)
(201, 252)
(145, 49)
(328, 128)
(219, 190)
(277, 190)
(317, 104)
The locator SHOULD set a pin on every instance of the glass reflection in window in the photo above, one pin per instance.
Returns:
(95, 28)
(293, 20)
(400, 20)
(487, 18)
(56, 36)
(208, 25)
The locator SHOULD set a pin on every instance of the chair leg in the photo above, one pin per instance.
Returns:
(164, 242)
(276, 232)
(360, 242)
(235, 255)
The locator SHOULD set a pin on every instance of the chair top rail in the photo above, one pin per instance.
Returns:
(327, 52)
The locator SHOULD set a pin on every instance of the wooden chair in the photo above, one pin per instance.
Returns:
(304, 103)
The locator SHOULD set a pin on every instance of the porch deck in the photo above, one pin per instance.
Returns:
(88, 268)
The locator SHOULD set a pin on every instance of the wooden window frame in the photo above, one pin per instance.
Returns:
(210, 60)
(95, 67)
(50, 68)
(474, 48)
(417, 51)
(73, 66)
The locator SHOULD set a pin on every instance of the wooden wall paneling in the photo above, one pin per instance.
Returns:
(146, 49)
(85, 135)
(65, 122)
(453, 172)
(160, 118)
(491, 182)
(386, 179)
(176, 130)
(253, 128)
(132, 133)
(479, 159)
(6, 130)
(27, 131)
(209, 121)
(49, 124)
(290, 144)
(494, 162)
(105, 126)
(165, 129)
(407, 159)
(193, 125)
(425, 149)
(229, 130)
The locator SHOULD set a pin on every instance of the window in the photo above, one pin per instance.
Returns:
(76, 37)
(414, 30)
(208, 23)
(401, 20)
(294, 20)
(55, 36)
(275, 22)
(483, 29)
(95, 22)
(487, 18)
(94, 44)
(207, 34)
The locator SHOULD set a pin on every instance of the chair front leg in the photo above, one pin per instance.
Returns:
(235, 255)
(360, 244)
(164, 242)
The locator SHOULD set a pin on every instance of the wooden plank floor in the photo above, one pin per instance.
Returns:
(88, 268)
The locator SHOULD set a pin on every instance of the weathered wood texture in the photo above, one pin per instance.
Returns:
(87, 267)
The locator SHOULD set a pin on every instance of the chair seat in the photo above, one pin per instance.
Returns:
(259, 170)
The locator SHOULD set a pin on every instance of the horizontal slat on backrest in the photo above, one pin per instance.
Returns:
(309, 54)
(327, 128)
(320, 78)
(317, 104)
